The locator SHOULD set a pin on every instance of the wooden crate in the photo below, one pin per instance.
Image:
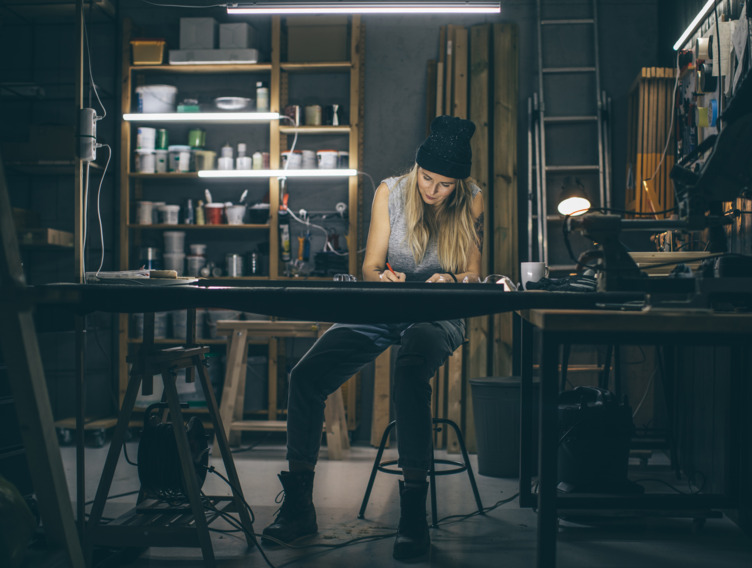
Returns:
(651, 105)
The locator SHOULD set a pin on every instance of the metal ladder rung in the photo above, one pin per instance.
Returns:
(567, 22)
(583, 168)
(552, 70)
(554, 119)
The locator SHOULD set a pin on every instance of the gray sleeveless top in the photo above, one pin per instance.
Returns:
(399, 254)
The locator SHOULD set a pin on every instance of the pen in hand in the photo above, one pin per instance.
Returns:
(389, 266)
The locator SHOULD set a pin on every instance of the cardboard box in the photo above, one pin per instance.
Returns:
(45, 237)
(198, 33)
(236, 36)
(319, 38)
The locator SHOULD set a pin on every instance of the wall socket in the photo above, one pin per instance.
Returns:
(87, 134)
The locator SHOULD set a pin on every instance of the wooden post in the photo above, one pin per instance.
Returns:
(506, 257)
(18, 342)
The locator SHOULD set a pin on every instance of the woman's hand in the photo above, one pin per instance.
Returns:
(438, 277)
(389, 276)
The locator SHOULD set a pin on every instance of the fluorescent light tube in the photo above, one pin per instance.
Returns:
(701, 15)
(201, 116)
(366, 7)
(276, 173)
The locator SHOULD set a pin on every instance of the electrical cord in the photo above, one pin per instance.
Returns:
(358, 540)
(99, 211)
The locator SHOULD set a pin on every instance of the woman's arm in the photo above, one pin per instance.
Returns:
(374, 262)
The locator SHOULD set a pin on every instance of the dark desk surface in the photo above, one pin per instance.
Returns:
(349, 302)
(651, 321)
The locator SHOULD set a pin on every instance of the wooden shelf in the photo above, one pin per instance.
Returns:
(213, 68)
(317, 66)
(162, 227)
(315, 129)
(48, 167)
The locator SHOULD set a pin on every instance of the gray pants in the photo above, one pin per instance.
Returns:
(341, 352)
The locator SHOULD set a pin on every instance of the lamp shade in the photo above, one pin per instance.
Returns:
(573, 199)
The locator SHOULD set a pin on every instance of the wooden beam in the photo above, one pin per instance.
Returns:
(460, 78)
(478, 328)
(18, 343)
(505, 241)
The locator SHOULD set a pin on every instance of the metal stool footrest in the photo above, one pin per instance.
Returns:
(457, 467)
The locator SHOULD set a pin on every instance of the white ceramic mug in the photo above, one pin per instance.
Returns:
(532, 272)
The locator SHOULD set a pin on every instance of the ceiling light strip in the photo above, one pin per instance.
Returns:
(701, 15)
(201, 116)
(449, 7)
(345, 172)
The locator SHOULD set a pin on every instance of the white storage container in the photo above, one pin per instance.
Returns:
(156, 98)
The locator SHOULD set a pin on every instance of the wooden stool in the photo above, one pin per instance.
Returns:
(240, 334)
(186, 524)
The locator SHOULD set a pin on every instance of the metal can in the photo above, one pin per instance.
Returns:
(163, 139)
(313, 115)
(234, 263)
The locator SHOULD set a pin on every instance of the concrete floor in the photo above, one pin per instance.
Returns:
(505, 536)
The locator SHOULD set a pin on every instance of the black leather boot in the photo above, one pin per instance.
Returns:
(296, 517)
(413, 539)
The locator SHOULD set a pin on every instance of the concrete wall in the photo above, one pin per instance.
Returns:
(397, 50)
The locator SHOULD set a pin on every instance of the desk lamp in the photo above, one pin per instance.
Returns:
(573, 199)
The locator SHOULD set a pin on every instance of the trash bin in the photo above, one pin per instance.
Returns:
(496, 409)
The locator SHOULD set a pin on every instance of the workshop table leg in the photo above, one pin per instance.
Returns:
(526, 413)
(547, 521)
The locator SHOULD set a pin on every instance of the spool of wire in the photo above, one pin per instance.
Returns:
(159, 469)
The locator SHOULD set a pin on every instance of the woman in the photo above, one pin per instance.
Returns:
(428, 225)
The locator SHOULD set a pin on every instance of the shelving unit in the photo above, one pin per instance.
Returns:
(268, 134)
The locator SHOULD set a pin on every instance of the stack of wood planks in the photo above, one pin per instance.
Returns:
(476, 77)
(649, 188)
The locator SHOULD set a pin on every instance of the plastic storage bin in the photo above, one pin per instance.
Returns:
(147, 51)
(496, 409)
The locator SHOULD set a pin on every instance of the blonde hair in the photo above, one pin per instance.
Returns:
(451, 223)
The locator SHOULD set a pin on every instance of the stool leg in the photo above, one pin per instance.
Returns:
(375, 468)
(466, 459)
(432, 479)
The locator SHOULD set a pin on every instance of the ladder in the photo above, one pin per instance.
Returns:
(567, 125)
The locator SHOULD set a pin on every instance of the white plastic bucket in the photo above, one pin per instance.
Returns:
(146, 138)
(174, 261)
(169, 214)
(235, 214)
(327, 159)
(156, 98)
(144, 212)
(146, 162)
(174, 241)
(161, 158)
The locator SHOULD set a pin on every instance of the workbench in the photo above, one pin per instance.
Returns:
(350, 302)
(562, 327)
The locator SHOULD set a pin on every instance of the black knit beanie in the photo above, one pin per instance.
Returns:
(447, 150)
